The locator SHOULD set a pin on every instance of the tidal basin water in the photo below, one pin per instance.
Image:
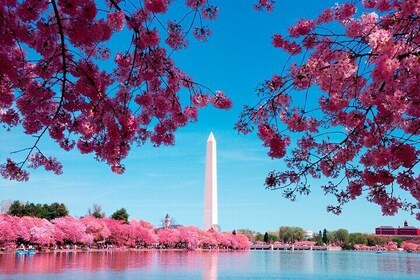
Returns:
(211, 265)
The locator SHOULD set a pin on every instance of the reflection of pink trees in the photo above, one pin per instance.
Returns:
(136, 234)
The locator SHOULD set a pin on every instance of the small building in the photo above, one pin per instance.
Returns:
(168, 222)
(308, 233)
(406, 230)
(386, 230)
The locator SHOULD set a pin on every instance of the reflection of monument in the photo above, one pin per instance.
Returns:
(209, 266)
(210, 192)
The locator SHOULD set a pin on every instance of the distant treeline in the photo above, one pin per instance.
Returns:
(57, 210)
(43, 211)
(340, 237)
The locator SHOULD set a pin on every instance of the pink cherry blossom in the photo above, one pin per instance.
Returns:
(176, 38)
(210, 12)
(71, 230)
(8, 235)
(221, 101)
(195, 4)
(156, 6)
(350, 105)
(303, 27)
(60, 78)
(267, 5)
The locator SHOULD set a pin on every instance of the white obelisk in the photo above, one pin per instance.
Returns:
(210, 193)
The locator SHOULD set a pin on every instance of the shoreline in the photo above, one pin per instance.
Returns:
(60, 251)
(123, 250)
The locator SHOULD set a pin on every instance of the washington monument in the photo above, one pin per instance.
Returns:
(210, 193)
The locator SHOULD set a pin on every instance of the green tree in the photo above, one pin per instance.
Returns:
(398, 240)
(331, 237)
(342, 236)
(291, 234)
(318, 239)
(266, 239)
(374, 240)
(324, 236)
(273, 237)
(285, 234)
(259, 237)
(357, 238)
(16, 209)
(43, 211)
(120, 215)
(234, 232)
(30, 209)
(298, 234)
(56, 210)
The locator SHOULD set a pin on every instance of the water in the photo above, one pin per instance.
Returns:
(211, 265)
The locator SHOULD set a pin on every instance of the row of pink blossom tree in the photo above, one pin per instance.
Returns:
(390, 246)
(410, 246)
(90, 230)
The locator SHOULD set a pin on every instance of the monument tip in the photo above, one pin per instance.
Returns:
(211, 137)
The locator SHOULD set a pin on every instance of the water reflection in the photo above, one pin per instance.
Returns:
(211, 265)
(308, 260)
(66, 261)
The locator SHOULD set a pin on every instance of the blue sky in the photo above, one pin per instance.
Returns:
(163, 180)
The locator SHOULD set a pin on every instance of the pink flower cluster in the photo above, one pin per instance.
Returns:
(351, 104)
(54, 84)
(410, 247)
(195, 4)
(156, 6)
(267, 5)
(221, 101)
(202, 33)
(176, 38)
(273, 140)
(290, 47)
(303, 27)
(305, 243)
(50, 164)
(90, 230)
(210, 12)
